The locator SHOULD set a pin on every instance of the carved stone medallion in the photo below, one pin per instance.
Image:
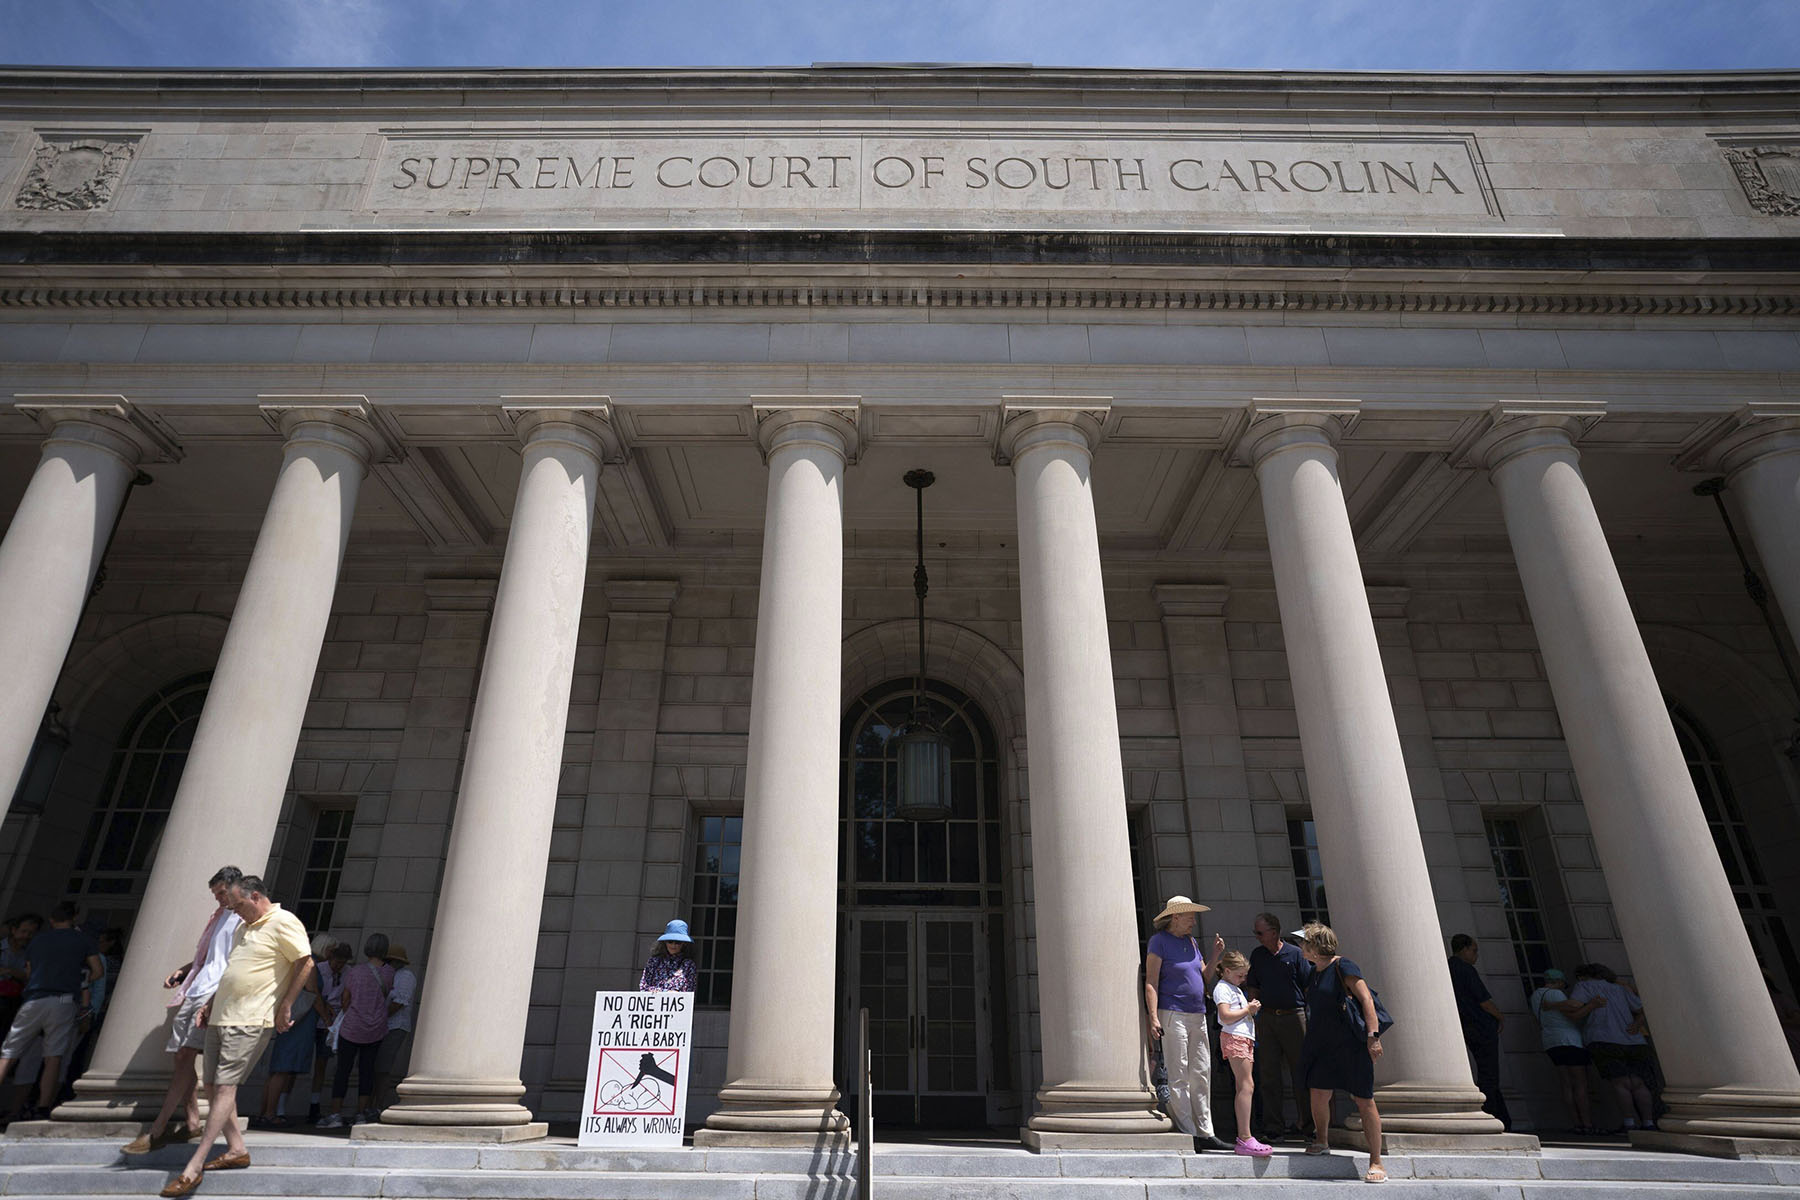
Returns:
(1770, 175)
(71, 174)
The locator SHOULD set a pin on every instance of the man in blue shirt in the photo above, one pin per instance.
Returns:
(1279, 977)
(64, 961)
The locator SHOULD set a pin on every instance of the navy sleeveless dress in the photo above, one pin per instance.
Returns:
(1333, 1056)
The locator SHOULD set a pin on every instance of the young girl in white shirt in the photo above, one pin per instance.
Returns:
(1237, 1043)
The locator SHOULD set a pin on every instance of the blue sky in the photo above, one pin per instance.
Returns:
(1251, 34)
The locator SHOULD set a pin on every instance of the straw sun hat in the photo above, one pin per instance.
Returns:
(1176, 906)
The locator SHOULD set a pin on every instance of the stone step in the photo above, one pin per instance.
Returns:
(337, 1168)
(510, 1185)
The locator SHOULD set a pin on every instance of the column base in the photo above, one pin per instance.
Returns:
(1433, 1108)
(134, 1096)
(1168, 1143)
(1715, 1145)
(808, 1114)
(381, 1131)
(1438, 1143)
(1103, 1110)
(1732, 1113)
(467, 1103)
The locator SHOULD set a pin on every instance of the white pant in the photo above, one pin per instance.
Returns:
(1187, 1058)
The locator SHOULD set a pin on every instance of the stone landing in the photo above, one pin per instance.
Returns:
(322, 1166)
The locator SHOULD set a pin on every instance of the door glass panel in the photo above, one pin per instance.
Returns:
(951, 1060)
(883, 954)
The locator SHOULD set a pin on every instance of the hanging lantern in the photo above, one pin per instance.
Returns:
(923, 751)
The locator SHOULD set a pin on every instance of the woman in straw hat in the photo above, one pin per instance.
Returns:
(1176, 979)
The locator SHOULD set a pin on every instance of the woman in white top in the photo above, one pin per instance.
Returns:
(1557, 1016)
(1237, 1044)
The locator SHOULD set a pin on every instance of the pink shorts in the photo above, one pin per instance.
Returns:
(1233, 1046)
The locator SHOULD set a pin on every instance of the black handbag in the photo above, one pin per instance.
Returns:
(1353, 1013)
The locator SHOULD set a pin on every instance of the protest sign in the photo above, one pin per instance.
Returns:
(638, 1069)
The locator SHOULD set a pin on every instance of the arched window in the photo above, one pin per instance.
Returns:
(1737, 849)
(887, 859)
(127, 824)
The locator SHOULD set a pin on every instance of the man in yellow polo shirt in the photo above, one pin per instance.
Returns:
(270, 960)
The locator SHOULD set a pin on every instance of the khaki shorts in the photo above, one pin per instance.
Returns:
(52, 1016)
(184, 1034)
(232, 1052)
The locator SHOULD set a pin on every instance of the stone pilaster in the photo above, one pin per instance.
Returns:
(1226, 845)
(415, 826)
(628, 875)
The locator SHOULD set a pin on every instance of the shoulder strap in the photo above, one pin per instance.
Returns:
(378, 981)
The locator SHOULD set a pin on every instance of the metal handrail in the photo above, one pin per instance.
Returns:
(865, 1111)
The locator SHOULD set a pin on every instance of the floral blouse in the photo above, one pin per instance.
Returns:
(665, 973)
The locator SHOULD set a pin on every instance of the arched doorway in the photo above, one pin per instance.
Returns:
(922, 932)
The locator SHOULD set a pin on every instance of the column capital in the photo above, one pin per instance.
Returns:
(1754, 432)
(1388, 602)
(345, 423)
(584, 422)
(828, 421)
(1027, 421)
(1192, 599)
(459, 595)
(1515, 429)
(641, 595)
(1277, 425)
(112, 423)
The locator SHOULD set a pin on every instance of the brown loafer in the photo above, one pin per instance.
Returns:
(181, 1185)
(229, 1162)
(143, 1143)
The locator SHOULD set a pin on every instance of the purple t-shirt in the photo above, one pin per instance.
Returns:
(1182, 985)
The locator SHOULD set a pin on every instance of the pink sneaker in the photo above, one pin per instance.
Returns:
(1253, 1148)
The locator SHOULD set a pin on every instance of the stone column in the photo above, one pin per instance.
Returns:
(1762, 466)
(465, 1061)
(51, 553)
(1381, 898)
(1728, 1069)
(1095, 1089)
(229, 801)
(778, 1067)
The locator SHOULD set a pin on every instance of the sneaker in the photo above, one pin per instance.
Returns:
(330, 1121)
(365, 1117)
(1252, 1147)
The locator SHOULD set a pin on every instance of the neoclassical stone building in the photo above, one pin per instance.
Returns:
(497, 482)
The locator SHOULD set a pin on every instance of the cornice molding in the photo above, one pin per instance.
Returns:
(676, 294)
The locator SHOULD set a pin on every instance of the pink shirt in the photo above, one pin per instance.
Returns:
(365, 1003)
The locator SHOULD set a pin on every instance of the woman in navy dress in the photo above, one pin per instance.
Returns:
(1334, 1056)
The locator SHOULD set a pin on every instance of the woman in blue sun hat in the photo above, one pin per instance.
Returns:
(670, 969)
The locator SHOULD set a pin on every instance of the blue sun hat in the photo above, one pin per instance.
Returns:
(675, 932)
